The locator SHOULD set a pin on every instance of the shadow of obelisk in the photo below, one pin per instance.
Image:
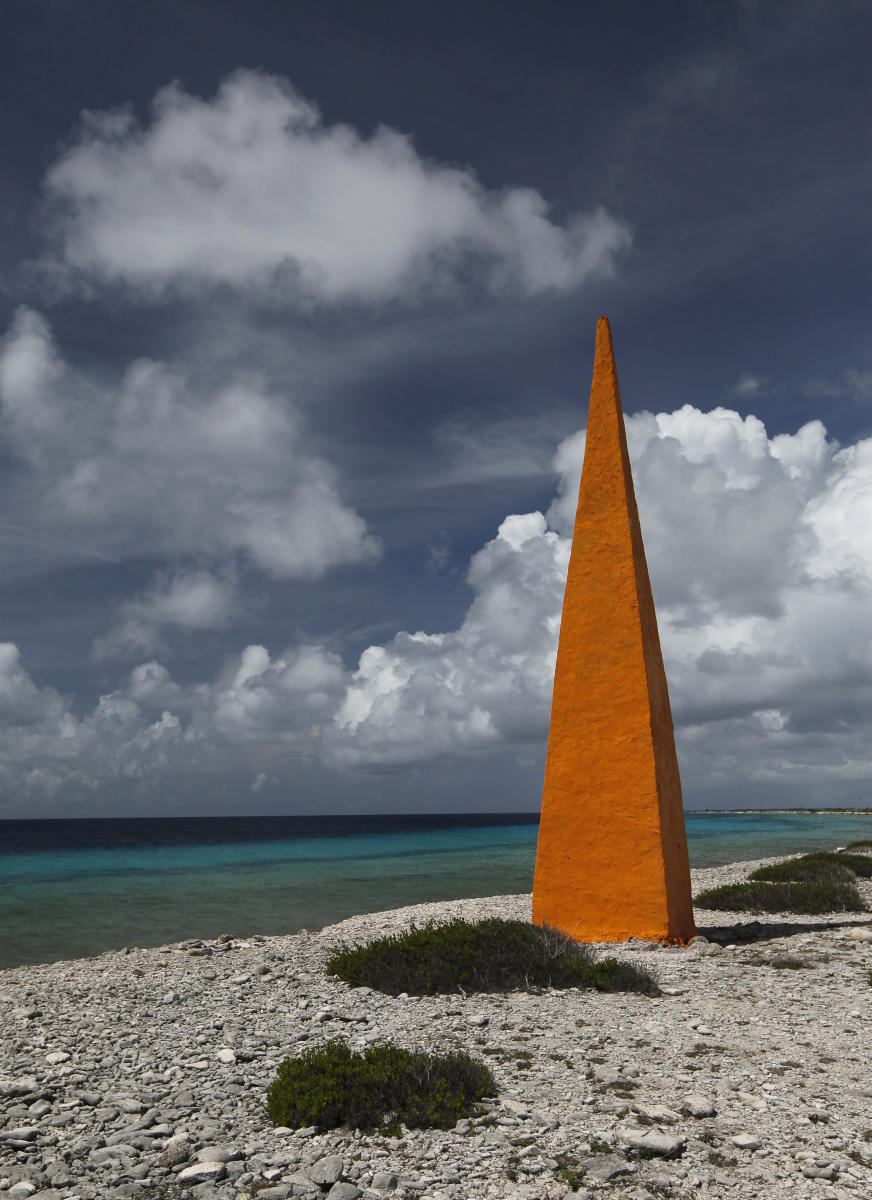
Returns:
(611, 861)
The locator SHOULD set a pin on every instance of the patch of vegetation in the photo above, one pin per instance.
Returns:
(783, 1068)
(808, 897)
(624, 1090)
(333, 1087)
(569, 1170)
(598, 1146)
(820, 866)
(864, 844)
(492, 955)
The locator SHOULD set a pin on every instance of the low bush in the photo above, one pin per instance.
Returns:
(820, 866)
(866, 844)
(817, 897)
(334, 1087)
(482, 956)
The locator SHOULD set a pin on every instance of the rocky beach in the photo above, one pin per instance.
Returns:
(141, 1073)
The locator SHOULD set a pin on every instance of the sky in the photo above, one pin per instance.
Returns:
(297, 312)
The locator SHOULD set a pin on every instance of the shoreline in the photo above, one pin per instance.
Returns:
(172, 895)
(368, 923)
(113, 1065)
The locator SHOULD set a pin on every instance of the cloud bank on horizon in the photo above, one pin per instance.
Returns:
(760, 551)
(759, 545)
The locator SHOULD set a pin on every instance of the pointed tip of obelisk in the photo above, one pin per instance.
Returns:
(604, 392)
(604, 352)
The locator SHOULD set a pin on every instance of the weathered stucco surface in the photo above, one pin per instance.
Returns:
(612, 857)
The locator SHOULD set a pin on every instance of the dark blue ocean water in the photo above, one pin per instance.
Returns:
(71, 888)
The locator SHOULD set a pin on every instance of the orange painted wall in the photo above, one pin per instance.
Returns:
(611, 861)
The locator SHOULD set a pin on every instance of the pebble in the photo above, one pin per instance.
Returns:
(741, 1080)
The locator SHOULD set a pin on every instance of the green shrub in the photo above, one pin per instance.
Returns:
(860, 864)
(334, 1087)
(821, 866)
(865, 844)
(820, 897)
(482, 956)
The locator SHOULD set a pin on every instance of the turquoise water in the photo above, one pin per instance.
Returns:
(71, 889)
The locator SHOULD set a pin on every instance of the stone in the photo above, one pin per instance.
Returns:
(746, 1141)
(612, 792)
(301, 1183)
(609, 1076)
(812, 1172)
(344, 1191)
(20, 1133)
(326, 1170)
(226, 1055)
(22, 1086)
(384, 1181)
(215, 1154)
(658, 1113)
(177, 1150)
(698, 1106)
(652, 1141)
(603, 1167)
(861, 934)
(202, 1172)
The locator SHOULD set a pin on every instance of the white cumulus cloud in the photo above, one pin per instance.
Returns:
(161, 463)
(251, 189)
(185, 600)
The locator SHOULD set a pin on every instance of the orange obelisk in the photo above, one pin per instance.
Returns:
(611, 862)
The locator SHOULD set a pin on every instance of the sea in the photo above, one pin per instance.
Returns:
(77, 888)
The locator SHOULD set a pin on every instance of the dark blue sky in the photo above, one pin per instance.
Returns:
(285, 344)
